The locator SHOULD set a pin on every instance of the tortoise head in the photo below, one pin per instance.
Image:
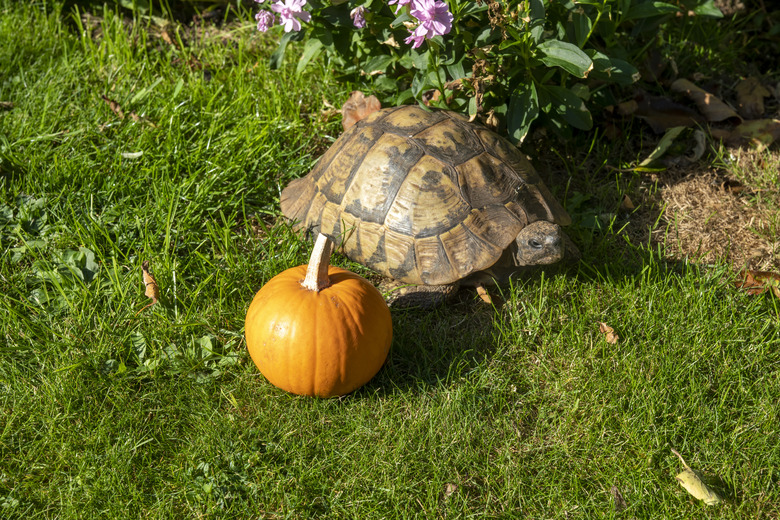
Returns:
(538, 243)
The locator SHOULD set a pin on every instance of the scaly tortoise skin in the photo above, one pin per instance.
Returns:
(429, 198)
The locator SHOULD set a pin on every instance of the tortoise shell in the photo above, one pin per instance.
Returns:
(421, 197)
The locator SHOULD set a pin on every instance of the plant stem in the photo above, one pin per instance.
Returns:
(317, 272)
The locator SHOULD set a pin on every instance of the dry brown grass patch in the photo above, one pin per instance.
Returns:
(707, 217)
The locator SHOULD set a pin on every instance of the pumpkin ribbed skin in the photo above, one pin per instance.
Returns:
(318, 343)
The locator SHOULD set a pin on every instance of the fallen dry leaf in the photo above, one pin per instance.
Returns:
(620, 502)
(152, 289)
(759, 133)
(709, 105)
(699, 148)
(115, 107)
(732, 186)
(6, 105)
(609, 333)
(759, 282)
(483, 294)
(659, 112)
(750, 98)
(168, 37)
(357, 107)
(627, 204)
(693, 484)
(449, 489)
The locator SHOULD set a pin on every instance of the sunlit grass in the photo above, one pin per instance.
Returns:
(519, 411)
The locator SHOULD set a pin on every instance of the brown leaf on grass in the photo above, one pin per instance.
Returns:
(6, 105)
(152, 289)
(759, 282)
(732, 186)
(658, 112)
(750, 98)
(357, 107)
(609, 333)
(620, 502)
(692, 482)
(627, 204)
(710, 105)
(449, 489)
(115, 107)
(168, 38)
(760, 133)
(484, 295)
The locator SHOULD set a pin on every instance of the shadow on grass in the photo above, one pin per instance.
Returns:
(439, 346)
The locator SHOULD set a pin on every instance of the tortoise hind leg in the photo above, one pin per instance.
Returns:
(403, 295)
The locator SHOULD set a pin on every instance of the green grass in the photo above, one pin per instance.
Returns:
(520, 411)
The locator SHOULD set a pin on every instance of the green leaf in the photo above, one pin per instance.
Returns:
(523, 110)
(381, 62)
(385, 83)
(612, 70)
(708, 8)
(473, 106)
(420, 59)
(456, 70)
(582, 26)
(276, 59)
(570, 107)
(663, 145)
(312, 48)
(177, 88)
(537, 14)
(144, 92)
(566, 56)
(649, 9)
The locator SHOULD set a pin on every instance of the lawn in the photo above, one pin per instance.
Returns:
(124, 141)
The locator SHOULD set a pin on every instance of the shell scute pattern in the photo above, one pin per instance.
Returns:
(422, 197)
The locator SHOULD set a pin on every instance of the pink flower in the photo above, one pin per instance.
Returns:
(290, 12)
(435, 19)
(265, 20)
(357, 15)
(435, 15)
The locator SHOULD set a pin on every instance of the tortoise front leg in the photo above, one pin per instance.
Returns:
(402, 295)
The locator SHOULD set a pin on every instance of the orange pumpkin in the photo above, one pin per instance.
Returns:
(318, 330)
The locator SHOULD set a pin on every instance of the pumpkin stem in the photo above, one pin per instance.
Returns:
(317, 273)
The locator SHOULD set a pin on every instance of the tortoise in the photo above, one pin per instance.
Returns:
(429, 199)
